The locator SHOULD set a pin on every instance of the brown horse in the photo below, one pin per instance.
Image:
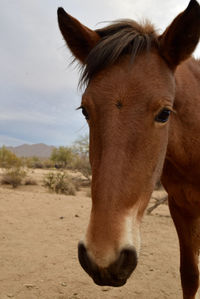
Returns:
(142, 104)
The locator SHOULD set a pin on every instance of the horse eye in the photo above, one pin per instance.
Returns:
(163, 116)
(84, 112)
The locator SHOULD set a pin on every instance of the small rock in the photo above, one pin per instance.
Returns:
(138, 292)
(10, 295)
(61, 217)
(61, 292)
(105, 289)
(76, 215)
(29, 285)
(63, 284)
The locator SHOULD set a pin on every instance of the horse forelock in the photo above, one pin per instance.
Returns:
(118, 39)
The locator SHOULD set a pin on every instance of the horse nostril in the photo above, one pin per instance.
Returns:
(130, 259)
(125, 264)
(84, 260)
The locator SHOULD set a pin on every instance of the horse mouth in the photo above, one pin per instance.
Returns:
(116, 274)
(109, 282)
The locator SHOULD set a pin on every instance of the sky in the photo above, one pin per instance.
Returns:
(38, 87)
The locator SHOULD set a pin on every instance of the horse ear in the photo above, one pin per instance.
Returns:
(78, 37)
(180, 39)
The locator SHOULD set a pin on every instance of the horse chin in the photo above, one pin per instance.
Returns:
(114, 283)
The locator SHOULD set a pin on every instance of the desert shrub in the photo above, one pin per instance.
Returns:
(30, 182)
(34, 162)
(82, 164)
(81, 146)
(13, 177)
(49, 181)
(62, 157)
(26, 162)
(64, 184)
(60, 183)
(80, 181)
(38, 164)
(8, 159)
(81, 159)
(48, 164)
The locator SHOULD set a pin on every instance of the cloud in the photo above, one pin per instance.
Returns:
(51, 118)
(32, 48)
(10, 141)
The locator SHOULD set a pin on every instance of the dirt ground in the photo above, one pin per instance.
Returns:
(39, 232)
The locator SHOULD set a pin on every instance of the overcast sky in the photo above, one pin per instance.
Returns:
(38, 88)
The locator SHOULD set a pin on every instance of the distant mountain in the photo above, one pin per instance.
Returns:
(26, 150)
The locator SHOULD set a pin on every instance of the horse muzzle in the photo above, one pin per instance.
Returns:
(116, 274)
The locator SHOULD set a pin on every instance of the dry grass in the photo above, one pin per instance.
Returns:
(13, 177)
(30, 182)
(60, 183)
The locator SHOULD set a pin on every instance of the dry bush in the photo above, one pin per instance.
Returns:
(62, 157)
(36, 162)
(13, 177)
(9, 159)
(30, 182)
(60, 183)
(80, 181)
(82, 164)
(77, 181)
(48, 164)
(49, 181)
(64, 184)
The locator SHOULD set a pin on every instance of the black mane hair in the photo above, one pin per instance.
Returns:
(120, 38)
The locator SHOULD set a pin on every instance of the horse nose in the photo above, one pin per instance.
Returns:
(116, 274)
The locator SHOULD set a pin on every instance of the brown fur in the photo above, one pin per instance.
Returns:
(129, 148)
(120, 38)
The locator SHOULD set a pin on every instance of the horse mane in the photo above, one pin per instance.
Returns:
(118, 39)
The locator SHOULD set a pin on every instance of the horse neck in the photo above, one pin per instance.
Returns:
(184, 141)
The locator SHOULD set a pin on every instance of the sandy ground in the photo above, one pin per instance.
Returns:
(39, 232)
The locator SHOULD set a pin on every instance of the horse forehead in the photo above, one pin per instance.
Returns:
(147, 74)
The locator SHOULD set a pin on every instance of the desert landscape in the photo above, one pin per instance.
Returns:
(38, 248)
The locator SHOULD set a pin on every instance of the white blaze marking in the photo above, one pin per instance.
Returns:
(198, 292)
(131, 236)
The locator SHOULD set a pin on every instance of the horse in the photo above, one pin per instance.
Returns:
(142, 105)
